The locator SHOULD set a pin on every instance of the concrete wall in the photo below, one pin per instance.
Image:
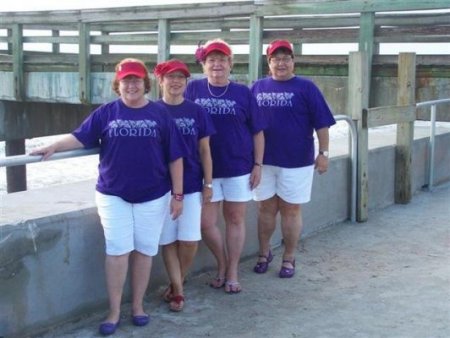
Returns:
(52, 247)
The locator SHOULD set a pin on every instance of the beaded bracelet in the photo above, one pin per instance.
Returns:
(178, 197)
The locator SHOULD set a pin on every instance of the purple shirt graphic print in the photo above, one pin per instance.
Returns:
(236, 119)
(294, 109)
(194, 124)
(136, 147)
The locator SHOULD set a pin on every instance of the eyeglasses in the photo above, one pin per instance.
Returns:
(135, 82)
(175, 76)
(285, 59)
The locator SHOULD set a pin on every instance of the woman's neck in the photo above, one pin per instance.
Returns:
(173, 100)
(218, 81)
(135, 103)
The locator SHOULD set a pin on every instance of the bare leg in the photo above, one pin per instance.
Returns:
(186, 253)
(234, 215)
(212, 236)
(268, 210)
(140, 275)
(172, 263)
(291, 227)
(116, 268)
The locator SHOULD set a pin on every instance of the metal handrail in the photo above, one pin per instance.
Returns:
(431, 141)
(16, 160)
(11, 161)
(354, 162)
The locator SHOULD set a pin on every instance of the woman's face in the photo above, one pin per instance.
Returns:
(132, 90)
(281, 66)
(173, 84)
(217, 65)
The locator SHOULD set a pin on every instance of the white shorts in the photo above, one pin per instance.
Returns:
(187, 226)
(293, 185)
(232, 189)
(131, 226)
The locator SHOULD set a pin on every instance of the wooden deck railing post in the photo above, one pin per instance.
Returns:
(84, 62)
(405, 130)
(163, 52)
(255, 57)
(16, 177)
(358, 100)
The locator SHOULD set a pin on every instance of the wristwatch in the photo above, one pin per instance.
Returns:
(324, 153)
(208, 185)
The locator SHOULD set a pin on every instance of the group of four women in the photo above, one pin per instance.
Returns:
(167, 167)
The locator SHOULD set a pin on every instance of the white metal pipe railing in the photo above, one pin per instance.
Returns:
(11, 161)
(354, 161)
(16, 160)
(431, 141)
(24, 159)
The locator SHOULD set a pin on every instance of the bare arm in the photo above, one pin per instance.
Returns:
(258, 143)
(205, 159)
(176, 175)
(67, 142)
(321, 163)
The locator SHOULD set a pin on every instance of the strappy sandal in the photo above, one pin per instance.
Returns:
(168, 293)
(176, 303)
(286, 272)
(217, 282)
(232, 287)
(261, 267)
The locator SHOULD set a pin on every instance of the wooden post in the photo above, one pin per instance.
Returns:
(17, 56)
(405, 130)
(163, 52)
(84, 60)
(16, 177)
(366, 37)
(358, 100)
(255, 56)
(55, 46)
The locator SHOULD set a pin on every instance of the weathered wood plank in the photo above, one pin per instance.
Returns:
(17, 59)
(358, 101)
(346, 6)
(381, 116)
(255, 54)
(405, 130)
(84, 63)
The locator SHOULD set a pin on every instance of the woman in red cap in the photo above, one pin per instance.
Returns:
(134, 184)
(237, 149)
(295, 108)
(179, 237)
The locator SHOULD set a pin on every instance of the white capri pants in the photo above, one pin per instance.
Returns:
(187, 226)
(131, 226)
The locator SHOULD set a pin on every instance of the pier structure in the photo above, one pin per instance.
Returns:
(55, 232)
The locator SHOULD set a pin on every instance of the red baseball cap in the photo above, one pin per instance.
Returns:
(131, 68)
(215, 46)
(170, 67)
(277, 44)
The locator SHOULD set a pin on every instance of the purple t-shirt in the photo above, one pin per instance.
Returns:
(194, 124)
(294, 108)
(136, 147)
(236, 118)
